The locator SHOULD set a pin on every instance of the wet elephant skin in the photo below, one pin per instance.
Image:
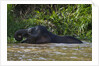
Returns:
(39, 34)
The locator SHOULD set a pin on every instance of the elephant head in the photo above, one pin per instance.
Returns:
(27, 33)
(37, 34)
(36, 31)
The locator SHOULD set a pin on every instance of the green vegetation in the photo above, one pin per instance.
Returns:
(61, 19)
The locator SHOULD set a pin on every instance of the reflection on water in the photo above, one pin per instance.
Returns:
(49, 52)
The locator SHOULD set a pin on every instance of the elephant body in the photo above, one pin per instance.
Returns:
(39, 34)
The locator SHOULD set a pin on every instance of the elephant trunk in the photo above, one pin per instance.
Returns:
(20, 34)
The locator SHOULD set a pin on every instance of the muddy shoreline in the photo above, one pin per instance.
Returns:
(49, 52)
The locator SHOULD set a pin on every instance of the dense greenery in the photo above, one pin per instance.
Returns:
(61, 19)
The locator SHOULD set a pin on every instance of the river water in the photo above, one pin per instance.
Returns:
(49, 52)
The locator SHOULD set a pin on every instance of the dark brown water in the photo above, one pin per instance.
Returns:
(49, 52)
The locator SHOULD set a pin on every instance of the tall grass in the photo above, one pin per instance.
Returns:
(74, 20)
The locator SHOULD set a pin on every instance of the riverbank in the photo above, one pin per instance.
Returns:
(49, 52)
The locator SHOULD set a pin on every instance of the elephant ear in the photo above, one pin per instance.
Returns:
(19, 34)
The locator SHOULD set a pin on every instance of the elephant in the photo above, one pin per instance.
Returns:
(39, 34)
(33, 35)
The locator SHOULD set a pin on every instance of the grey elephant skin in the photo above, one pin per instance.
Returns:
(39, 35)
